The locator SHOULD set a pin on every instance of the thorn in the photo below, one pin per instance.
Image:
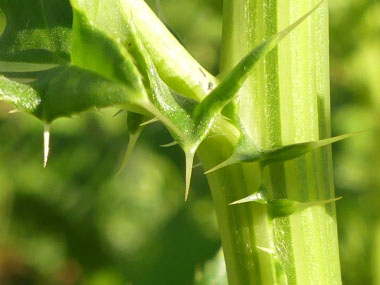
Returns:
(118, 113)
(318, 203)
(256, 197)
(131, 145)
(98, 110)
(219, 166)
(14, 111)
(197, 165)
(267, 250)
(169, 144)
(46, 143)
(189, 169)
(149, 122)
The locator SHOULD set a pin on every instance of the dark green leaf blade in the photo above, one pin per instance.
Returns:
(65, 91)
(70, 89)
(95, 49)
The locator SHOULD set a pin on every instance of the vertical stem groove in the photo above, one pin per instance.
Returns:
(286, 100)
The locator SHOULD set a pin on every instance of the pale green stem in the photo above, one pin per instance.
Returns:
(285, 101)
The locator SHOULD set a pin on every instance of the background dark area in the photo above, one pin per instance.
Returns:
(75, 222)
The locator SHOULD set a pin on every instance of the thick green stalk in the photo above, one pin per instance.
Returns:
(285, 101)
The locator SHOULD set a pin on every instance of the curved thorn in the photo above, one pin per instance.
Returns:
(149, 122)
(14, 111)
(189, 170)
(169, 144)
(131, 145)
(46, 143)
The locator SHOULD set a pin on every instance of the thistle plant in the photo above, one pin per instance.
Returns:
(261, 128)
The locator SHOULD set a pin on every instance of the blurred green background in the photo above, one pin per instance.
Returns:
(75, 222)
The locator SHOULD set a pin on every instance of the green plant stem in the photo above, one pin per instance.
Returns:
(285, 101)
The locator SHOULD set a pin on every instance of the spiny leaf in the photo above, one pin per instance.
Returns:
(69, 90)
(100, 42)
(234, 80)
(65, 91)
(177, 119)
(247, 151)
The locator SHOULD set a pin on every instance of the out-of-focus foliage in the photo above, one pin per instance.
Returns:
(75, 222)
(355, 71)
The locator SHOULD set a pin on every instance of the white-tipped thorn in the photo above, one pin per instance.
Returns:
(267, 250)
(14, 111)
(256, 197)
(189, 170)
(219, 166)
(46, 143)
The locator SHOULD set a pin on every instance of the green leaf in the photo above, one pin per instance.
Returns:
(36, 31)
(97, 49)
(65, 91)
(24, 66)
(100, 42)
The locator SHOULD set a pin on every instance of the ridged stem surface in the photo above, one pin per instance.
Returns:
(285, 101)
